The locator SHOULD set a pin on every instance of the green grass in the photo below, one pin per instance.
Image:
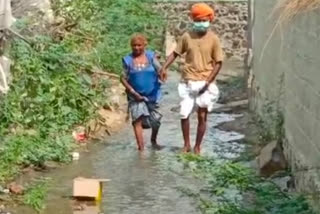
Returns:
(253, 194)
(270, 123)
(35, 195)
(19, 151)
(52, 89)
(121, 20)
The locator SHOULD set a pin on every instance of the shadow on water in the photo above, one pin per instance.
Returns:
(144, 183)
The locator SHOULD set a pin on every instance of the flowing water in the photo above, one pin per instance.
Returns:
(148, 182)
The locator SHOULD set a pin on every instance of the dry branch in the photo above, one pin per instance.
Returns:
(287, 10)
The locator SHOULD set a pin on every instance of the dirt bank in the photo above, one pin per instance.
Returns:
(113, 115)
(110, 120)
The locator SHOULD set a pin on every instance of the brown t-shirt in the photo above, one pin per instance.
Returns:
(201, 53)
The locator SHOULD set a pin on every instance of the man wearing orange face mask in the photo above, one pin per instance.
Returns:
(203, 61)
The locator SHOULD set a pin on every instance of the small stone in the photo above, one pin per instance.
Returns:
(15, 188)
(27, 169)
(183, 26)
(78, 207)
(115, 100)
(283, 183)
(175, 109)
(107, 106)
(6, 191)
(51, 164)
(271, 159)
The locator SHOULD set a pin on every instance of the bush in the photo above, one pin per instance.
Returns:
(52, 88)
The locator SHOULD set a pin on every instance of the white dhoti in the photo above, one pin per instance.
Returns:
(189, 93)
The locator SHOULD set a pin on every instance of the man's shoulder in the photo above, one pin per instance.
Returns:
(186, 34)
(213, 35)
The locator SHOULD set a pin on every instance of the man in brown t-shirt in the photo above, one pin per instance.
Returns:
(203, 61)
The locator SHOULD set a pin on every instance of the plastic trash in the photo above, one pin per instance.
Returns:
(75, 156)
(79, 134)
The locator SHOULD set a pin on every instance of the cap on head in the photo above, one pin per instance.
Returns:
(201, 10)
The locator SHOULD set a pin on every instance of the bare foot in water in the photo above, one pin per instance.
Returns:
(141, 147)
(155, 145)
(186, 149)
(196, 150)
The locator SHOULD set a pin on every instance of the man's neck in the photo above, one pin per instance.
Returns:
(201, 34)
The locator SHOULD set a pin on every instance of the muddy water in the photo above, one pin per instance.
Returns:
(148, 182)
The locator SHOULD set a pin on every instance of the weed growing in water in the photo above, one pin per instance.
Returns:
(36, 194)
(271, 123)
(233, 188)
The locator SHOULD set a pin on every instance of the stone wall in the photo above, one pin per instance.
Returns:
(230, 23)
(286, 75)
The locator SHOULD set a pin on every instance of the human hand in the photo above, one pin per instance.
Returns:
(163, 74)
(205, 87)
(138, 97)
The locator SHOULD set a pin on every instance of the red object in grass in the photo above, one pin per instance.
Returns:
(80, 137)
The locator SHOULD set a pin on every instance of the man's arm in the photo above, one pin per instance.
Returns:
(212, 76)
(157, 64)
(215, 72)
(217, 56)
(169, 61)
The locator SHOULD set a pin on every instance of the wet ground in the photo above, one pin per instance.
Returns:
(148, 182)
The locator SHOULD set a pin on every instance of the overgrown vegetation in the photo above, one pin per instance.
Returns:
(232, 188)
(270, 123)
(36, 194)
(270, 119)
(25, 150)
(53, 89)
(111, 24)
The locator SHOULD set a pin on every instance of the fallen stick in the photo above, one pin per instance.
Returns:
(20, 36)
(106, 73)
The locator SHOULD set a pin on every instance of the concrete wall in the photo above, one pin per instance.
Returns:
(286, 77)
(230, 23)
(24, 8)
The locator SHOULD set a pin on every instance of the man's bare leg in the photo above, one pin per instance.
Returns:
(138, 131)
(185, 126)
(202, 125)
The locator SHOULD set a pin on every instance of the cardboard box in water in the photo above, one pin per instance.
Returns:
(85, 188)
